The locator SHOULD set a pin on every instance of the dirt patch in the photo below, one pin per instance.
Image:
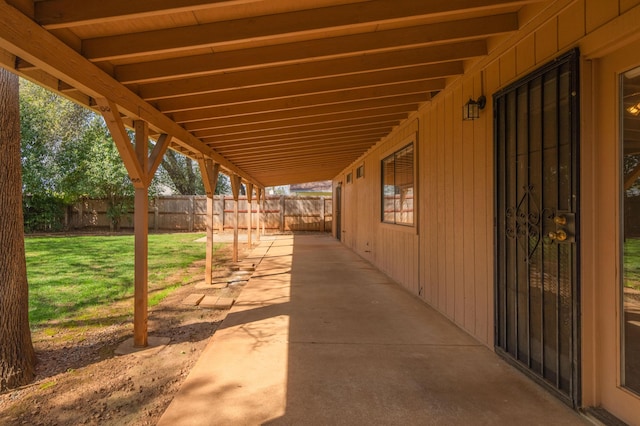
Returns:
(80, 380)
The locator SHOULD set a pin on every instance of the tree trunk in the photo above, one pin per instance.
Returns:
(17, 357)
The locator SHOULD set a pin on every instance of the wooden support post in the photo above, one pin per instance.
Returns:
(264, 202)
(250, 215)
(209, 171)
(141, 167)
(258, 193)
(236, 181)
(141, 229)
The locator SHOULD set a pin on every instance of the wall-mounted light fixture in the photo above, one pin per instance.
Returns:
(471, 110)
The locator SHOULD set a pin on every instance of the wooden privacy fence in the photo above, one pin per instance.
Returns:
(188, 213)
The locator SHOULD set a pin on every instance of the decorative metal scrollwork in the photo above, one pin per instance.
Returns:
(523, 222)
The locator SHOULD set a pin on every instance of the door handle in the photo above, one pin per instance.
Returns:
(559, 235)
(565, 231)
(560, 220)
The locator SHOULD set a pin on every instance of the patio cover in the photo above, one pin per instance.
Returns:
(275, 91)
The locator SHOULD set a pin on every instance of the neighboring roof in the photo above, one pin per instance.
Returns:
(277, 91)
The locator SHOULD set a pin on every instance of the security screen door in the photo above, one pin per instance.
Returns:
(536, 140)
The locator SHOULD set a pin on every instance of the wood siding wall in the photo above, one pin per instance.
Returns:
(447, 258)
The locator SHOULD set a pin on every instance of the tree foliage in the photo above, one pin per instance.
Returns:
(182, 175)
(68, 154)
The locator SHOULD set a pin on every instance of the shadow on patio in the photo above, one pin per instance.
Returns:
(319, 336)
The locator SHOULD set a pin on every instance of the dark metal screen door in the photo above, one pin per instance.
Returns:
(536, 131)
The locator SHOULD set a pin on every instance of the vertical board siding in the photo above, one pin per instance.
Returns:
(468, 252)
(449, 260)
(432, 223)
(458, 214)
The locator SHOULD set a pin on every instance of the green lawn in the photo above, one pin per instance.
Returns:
(69, 275)
(632, 263)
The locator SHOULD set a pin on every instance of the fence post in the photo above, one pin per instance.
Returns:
(156, 215)
(81, 213)
(322, 210)
(190, 213)
(221, 217)
(282, 213)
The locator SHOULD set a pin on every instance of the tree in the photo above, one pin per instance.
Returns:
(184, 174)
(224, 185)
(68, 154)
(105, 176)
(53, 153)
(54, 146)
(17, 357)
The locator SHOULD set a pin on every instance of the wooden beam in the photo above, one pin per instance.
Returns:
(331, 121)
(141, 230)
(308, 136)
(250, 215)
(303, 88)
(359, 17)
(277, 128)
(415, 90)
(236, 181)
(142, 146)
(411, 102)
(53, 14)
(111, 115)
(301, 162)
(157, 154)
(25, 39)
(258, 207)
(283, 150)
(430, 38)
(294, 145)
(358, 65)
(210, 172)
(310, 139)
(314, 152)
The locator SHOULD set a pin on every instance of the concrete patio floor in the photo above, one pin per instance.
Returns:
(319, 336)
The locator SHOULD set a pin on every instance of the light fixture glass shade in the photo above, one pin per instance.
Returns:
(470, 110)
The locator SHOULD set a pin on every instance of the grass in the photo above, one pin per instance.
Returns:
(70, 275)
(632, 263)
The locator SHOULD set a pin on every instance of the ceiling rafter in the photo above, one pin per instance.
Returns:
(392, 120)
(27, 40)
(302, 127)
(53, 14)
(418, 89)
(318, 21)
(292, 120)
(305, 149)
(302, 88)
(433, 36)
(328, 143)
(278, 91)
(338, 134)
(301, 72)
